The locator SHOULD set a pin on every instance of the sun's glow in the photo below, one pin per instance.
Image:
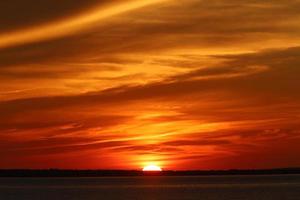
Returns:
(152, 168)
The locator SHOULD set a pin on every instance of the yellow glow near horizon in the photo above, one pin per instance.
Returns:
(71, 25)
(152, 168)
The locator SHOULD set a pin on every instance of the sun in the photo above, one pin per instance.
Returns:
(152, 168)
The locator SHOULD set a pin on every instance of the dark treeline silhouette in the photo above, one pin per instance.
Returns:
(103, 173)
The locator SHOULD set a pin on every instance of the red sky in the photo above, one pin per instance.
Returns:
(113, 84)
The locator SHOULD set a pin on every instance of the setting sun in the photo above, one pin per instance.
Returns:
(152, 168)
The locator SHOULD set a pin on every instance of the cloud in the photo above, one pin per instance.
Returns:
(198, 142)
(16, 14)
(186, 35)
(196, 83)
(69, 26)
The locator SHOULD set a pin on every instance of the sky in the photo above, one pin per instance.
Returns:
(121, 84)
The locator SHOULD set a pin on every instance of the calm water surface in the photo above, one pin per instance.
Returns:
(285, 187)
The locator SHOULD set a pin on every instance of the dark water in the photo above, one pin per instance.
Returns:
(285, 187)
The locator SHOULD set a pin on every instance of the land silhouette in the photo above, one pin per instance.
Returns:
(104, 173)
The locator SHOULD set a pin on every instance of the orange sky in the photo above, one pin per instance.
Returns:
(115, 84)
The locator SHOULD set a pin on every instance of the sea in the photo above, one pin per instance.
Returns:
(252, 187)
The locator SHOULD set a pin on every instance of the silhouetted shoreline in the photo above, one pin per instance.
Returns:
(111, 173)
